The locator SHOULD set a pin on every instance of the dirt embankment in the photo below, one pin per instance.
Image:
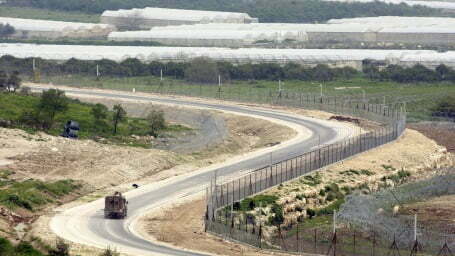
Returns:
(413, 152)
(437, 213)
(441, 132)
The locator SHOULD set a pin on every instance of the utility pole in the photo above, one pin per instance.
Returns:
(161, 75)
(321, 89)
(219, 86)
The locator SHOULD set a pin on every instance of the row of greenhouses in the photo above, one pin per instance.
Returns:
(444, 5)
(310, 57)
(376, 30)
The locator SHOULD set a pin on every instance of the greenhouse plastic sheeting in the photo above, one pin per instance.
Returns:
(47, 25)
(178, 14)
(119, 53)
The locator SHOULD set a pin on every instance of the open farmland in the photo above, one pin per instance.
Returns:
(420, 98)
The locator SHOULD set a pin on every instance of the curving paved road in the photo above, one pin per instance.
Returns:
(85, 224)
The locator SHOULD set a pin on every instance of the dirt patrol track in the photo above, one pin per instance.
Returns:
(85, 224)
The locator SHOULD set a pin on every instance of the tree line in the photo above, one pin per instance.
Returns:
(415, 74)
(265, 10)
(203, 70)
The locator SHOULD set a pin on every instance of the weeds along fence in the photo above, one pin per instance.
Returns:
(359, 228)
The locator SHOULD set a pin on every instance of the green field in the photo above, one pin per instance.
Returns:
(43, 14)
(419, 98)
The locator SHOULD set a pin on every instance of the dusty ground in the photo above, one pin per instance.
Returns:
(442, 132)
(182, 226)
(412, 151)
(437, 213)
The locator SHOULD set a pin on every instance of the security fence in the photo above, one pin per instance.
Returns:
(359, 229)
(392, 122)
(224, 194)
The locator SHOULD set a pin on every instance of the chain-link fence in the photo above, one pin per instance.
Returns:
(227, 193)
(277, 173)
(360, 229)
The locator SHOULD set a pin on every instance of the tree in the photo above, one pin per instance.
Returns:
(119, 116)
(3, 80)
(100, 113)
(51, 103)
(443, 71)
(202, 70)
(156, 121)
(14, 81)
(6, 30)
(445, 107)
(322, 73)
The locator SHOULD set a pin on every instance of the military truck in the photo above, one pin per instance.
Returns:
(115, 207)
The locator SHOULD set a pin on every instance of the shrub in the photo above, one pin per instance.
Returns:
(110, 252)
(311, 213)
(277, 218)
(156, 121)
(311, 180)
(61, 249)
(331, 196)
(366, 172)
(445, 107)
(332, 187)
(202, 70)
(248, 204)
(331, 208)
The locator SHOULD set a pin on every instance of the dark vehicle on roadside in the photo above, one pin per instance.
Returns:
(115, 207)
(71, 129)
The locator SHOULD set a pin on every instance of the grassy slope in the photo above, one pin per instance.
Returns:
(420, 97)
(34, 13)
(12, 106)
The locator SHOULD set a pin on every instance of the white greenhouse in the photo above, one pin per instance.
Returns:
(213, 37)
(149, 17)
(309, 57)
(444, 5)
(30, 28)
(374, 30)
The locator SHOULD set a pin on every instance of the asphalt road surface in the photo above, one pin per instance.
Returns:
(85, 224)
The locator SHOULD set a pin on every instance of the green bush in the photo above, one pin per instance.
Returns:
(330, 208)
(311, 180)
(277, 218)
(366, 172)
(311, 213)
(250, 203)
(332, 188)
